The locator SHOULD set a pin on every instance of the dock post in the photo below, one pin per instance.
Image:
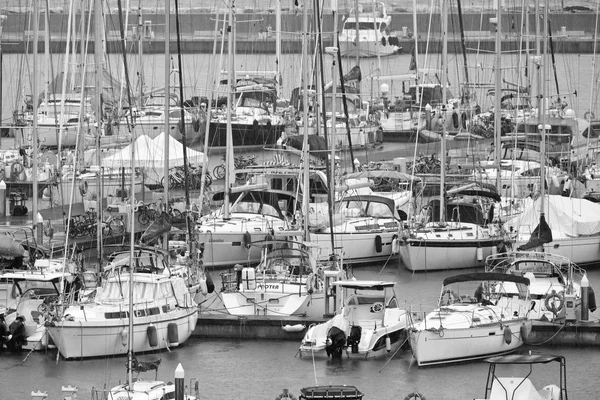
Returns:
(585, 288)
(179, 382)
(2, 198)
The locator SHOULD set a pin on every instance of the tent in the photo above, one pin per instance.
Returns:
(149, 153)
(175, 152)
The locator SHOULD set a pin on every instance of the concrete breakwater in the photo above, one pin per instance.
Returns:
(571, 32)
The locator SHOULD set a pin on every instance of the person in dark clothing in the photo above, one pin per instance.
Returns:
(3, 333)
(16, 336)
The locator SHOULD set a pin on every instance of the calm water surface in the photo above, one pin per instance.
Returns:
(230, 369)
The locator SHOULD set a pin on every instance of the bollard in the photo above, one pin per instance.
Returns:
(585, 288)
(39, 224)
(179, 382)
(2, 199)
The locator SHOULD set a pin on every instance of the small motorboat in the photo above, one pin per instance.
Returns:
(370, 322)
(522, 388)
(331, 392)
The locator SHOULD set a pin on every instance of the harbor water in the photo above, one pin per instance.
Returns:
(260, 369)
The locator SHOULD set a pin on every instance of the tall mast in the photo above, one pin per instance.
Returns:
(231, 83)
(444, 14)
(167, 112)
(305, 153)
(34, 97)
(99, 120)
(278, 45)
(497, 98)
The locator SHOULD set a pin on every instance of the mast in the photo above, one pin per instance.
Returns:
(166, 150)
(229, 133)
(542, 115)
(99, 118)
(444, 15)
(34, 133)
(278, 44)
(498, 97)
(305, 153)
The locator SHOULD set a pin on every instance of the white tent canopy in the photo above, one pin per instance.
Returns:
(149, 153)
(567, 217)
(176, 152)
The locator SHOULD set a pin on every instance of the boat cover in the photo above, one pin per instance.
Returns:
(567, 217)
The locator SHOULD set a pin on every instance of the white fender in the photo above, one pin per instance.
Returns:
(294, 328)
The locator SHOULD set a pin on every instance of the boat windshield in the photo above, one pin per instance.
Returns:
(252, 207)
(362, 25)
(539, 269)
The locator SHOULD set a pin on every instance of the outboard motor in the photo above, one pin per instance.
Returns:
(354, 338)
(336, 342)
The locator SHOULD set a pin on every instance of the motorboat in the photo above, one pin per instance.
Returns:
(256, 121)
(462, 239)
(331, 392)
(164, 312)
(32, 294)
(554, 281)
(288, 281)
(366, 227)
(478, 315)
(370, 322)
(368, 35)
(513, 387)
(254, 215)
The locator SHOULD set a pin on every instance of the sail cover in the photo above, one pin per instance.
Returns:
(566, 217)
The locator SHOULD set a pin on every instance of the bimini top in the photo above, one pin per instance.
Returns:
(486, 276)
(524, 358)
(370, 285)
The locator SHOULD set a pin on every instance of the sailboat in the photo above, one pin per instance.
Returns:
(456, 232)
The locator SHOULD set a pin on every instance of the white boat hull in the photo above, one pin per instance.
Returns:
(430, 255)
(357, 247)
(371, 48)
(442, 346)
(580, 250)
(102, 337)
(259, 302)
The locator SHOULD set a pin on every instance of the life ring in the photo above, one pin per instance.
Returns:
(377, 307)
(16, 170)
(452, 297)
(83, 188)
(589, 115)
(414, 396)
(554, 302)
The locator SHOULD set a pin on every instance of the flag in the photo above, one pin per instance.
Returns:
(540, 235)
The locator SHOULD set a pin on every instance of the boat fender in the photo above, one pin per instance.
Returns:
(152, 335)
(555, 181)
(463, 120)
(247, 239)
(181, 126)
(554, 302)
(591, 299)
(294, 328)
(388, 344)
(203, 286)
(524, 332)
(378, 244)
(255, 126)
(269, 239)
(455, 121)
(507, 335)
(210, 285)
(196, 125)
(124, 336)
(310, 283)
(383, 41)
(83, 188)
(172, 334)
(395, 245)
(479, 253)
(415, 396)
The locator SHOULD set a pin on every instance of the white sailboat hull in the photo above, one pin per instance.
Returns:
(358, 247)
(430, 255)
(431, 347)
(261, 302)
(101, 337)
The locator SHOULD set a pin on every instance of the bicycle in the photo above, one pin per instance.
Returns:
(113, 226)
(147, 213)
(239, 162)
